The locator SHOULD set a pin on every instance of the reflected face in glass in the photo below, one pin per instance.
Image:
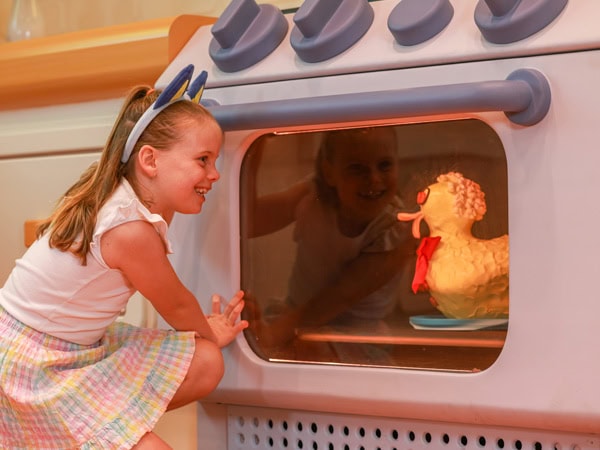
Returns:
(364, 179)
(355, 171)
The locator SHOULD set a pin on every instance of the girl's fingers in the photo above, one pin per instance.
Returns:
(232, 310)
(234, 313)
(216, 304)
(233, 303)
(237, 311)
(241, 325)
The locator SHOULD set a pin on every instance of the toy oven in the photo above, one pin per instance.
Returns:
(503, 92)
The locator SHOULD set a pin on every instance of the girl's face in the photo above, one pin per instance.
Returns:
(186, 171)
(365, 179)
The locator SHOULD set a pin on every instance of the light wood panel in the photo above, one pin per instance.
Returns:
(91, 64)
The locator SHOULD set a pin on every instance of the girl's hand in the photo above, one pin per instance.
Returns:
(273, 332)
(225, 325)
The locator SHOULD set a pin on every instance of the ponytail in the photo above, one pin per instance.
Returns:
(71, 225)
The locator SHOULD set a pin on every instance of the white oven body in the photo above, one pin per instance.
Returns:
(545, 381)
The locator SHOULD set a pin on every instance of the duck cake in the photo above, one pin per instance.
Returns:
(467, 277)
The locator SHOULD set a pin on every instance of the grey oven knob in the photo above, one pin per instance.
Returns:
(415, 21)
(245, 34)
(326, 28)
(507, 21)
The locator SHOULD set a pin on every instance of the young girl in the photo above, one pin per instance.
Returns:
(350, 248)
(70, 376)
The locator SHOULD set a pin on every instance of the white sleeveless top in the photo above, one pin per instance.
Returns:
(52, 292)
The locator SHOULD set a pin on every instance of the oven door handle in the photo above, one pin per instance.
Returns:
(524, 97)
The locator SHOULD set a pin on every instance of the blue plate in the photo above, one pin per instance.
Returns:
(433, 322)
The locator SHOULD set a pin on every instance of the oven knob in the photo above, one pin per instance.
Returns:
(245, 34)
(326, 28)
(415, 21)
(507, 21)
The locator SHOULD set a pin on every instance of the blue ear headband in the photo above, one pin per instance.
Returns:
(176, 90)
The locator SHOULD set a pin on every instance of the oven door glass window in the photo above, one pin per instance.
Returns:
(377, 245)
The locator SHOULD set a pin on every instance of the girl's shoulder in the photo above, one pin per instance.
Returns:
(125, 206)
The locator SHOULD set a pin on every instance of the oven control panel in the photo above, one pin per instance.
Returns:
(322, 29)
(255, 43)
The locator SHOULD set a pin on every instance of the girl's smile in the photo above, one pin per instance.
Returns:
(365, 180)
(181, 176)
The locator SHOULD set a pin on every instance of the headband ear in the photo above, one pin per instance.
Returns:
(197, 87)
(176, 88)
(175, 91)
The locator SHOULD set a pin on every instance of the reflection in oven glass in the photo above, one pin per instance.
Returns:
(330, 267)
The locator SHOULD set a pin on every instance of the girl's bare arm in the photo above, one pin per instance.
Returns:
(361, 277)
(136, 249)
(272, 212)
(267, 213)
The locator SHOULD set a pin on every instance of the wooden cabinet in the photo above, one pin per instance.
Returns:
(92, 64)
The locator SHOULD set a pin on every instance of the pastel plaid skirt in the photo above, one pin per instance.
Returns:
(56, 394)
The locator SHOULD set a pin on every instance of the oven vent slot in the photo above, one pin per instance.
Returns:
(265, 428)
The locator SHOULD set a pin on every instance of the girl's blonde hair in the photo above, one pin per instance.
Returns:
(71, 225)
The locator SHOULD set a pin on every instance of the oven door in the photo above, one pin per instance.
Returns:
(539, 119)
